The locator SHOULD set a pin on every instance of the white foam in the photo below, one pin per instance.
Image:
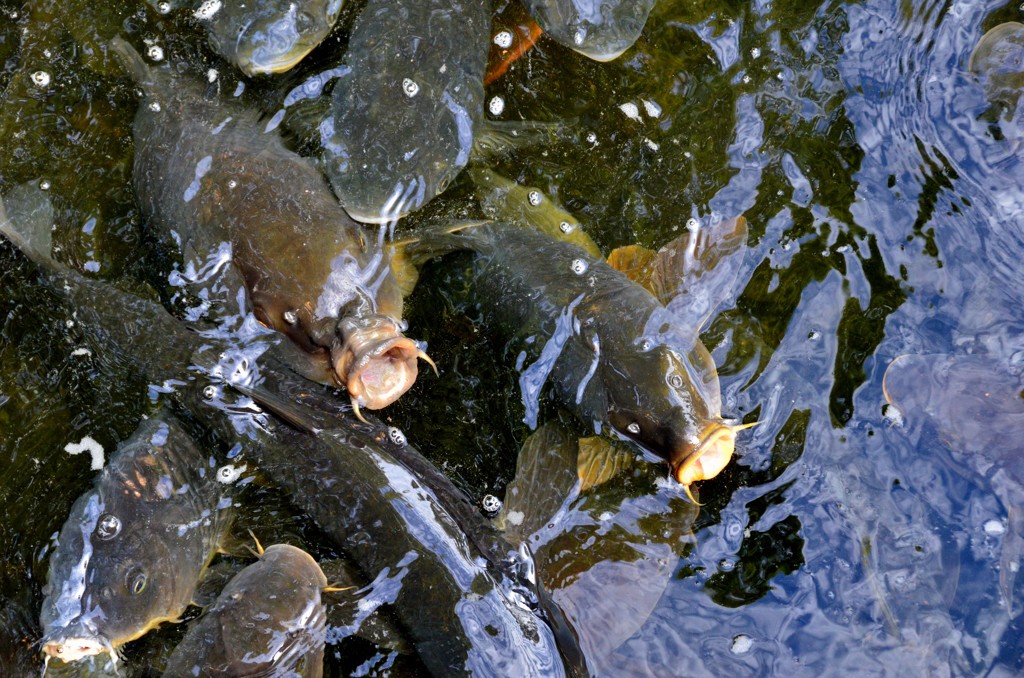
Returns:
(89, 445)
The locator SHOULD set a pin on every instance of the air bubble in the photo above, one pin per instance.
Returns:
(154, 106)
(211, 75)
(496, 106)
(41, 78)
(579, 266)
(410, 87)
(108, 526)
(163, 7)
(692, 224)
(741, 644)
(634, 428)
(232, 183)
(207, 9)
(210, 392)
(229, 473)
(155, 52)
(994, 528)
(592, 138)
(396, 435)
(534, 197)
(503, 39)
(490, 504)
(44, 185)
(755, 52)
(566, 227)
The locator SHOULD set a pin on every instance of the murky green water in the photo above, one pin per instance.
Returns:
(885, 204)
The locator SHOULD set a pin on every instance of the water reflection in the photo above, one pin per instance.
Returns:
(883, 193)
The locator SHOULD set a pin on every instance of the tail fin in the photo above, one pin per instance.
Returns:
(26, 219)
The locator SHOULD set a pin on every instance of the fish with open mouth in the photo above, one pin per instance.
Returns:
(620, 347)
(207, 172)
(133, 548)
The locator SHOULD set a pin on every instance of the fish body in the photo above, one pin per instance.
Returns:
(268, 621)
(612, 352)
(205, 170)
(599, 29)
(454, 601)
(132, 549)
(405, 113)
(267, 37)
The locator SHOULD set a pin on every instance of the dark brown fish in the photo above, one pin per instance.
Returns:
(206, 172)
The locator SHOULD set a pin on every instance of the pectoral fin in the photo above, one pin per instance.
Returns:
(545, 477)
(601, 459)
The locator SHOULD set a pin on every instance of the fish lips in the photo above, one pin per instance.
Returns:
(74, 643)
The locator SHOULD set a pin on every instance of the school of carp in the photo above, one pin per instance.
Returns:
(310, 246)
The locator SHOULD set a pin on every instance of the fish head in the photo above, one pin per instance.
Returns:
(271, 37)
(663, 402)
(111, 579)
(373, 360)
(379, 175)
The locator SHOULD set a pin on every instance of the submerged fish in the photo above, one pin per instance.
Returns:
(267, 37)
(613, 352)
(998, 61)
(977, 406)
(605, 550)
(133, 548)
(464, 615)
(599, 29)
(268, 621)
(406, 110)
(204, 170)
(505, 200)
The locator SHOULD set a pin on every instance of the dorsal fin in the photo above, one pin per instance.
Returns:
(692, 274)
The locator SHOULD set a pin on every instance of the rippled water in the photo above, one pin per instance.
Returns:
(885, 202)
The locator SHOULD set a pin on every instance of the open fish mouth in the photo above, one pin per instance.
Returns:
(711, 456)
(268, 64)
(75, 648)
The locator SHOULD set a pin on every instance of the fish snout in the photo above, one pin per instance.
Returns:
(383, 372)
(711, 456)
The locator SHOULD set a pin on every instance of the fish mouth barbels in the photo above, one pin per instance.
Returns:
(207, 173)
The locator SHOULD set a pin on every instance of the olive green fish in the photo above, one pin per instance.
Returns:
(998, 61)
(268, 621)
(599, 29)
(505, 200)
(205, 171)
(267, 37)
(615, 353)
(133, 548)
(406, 110)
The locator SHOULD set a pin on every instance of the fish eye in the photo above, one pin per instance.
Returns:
(675, 381)
(634, 428)
(136, 582)
(444, 184)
